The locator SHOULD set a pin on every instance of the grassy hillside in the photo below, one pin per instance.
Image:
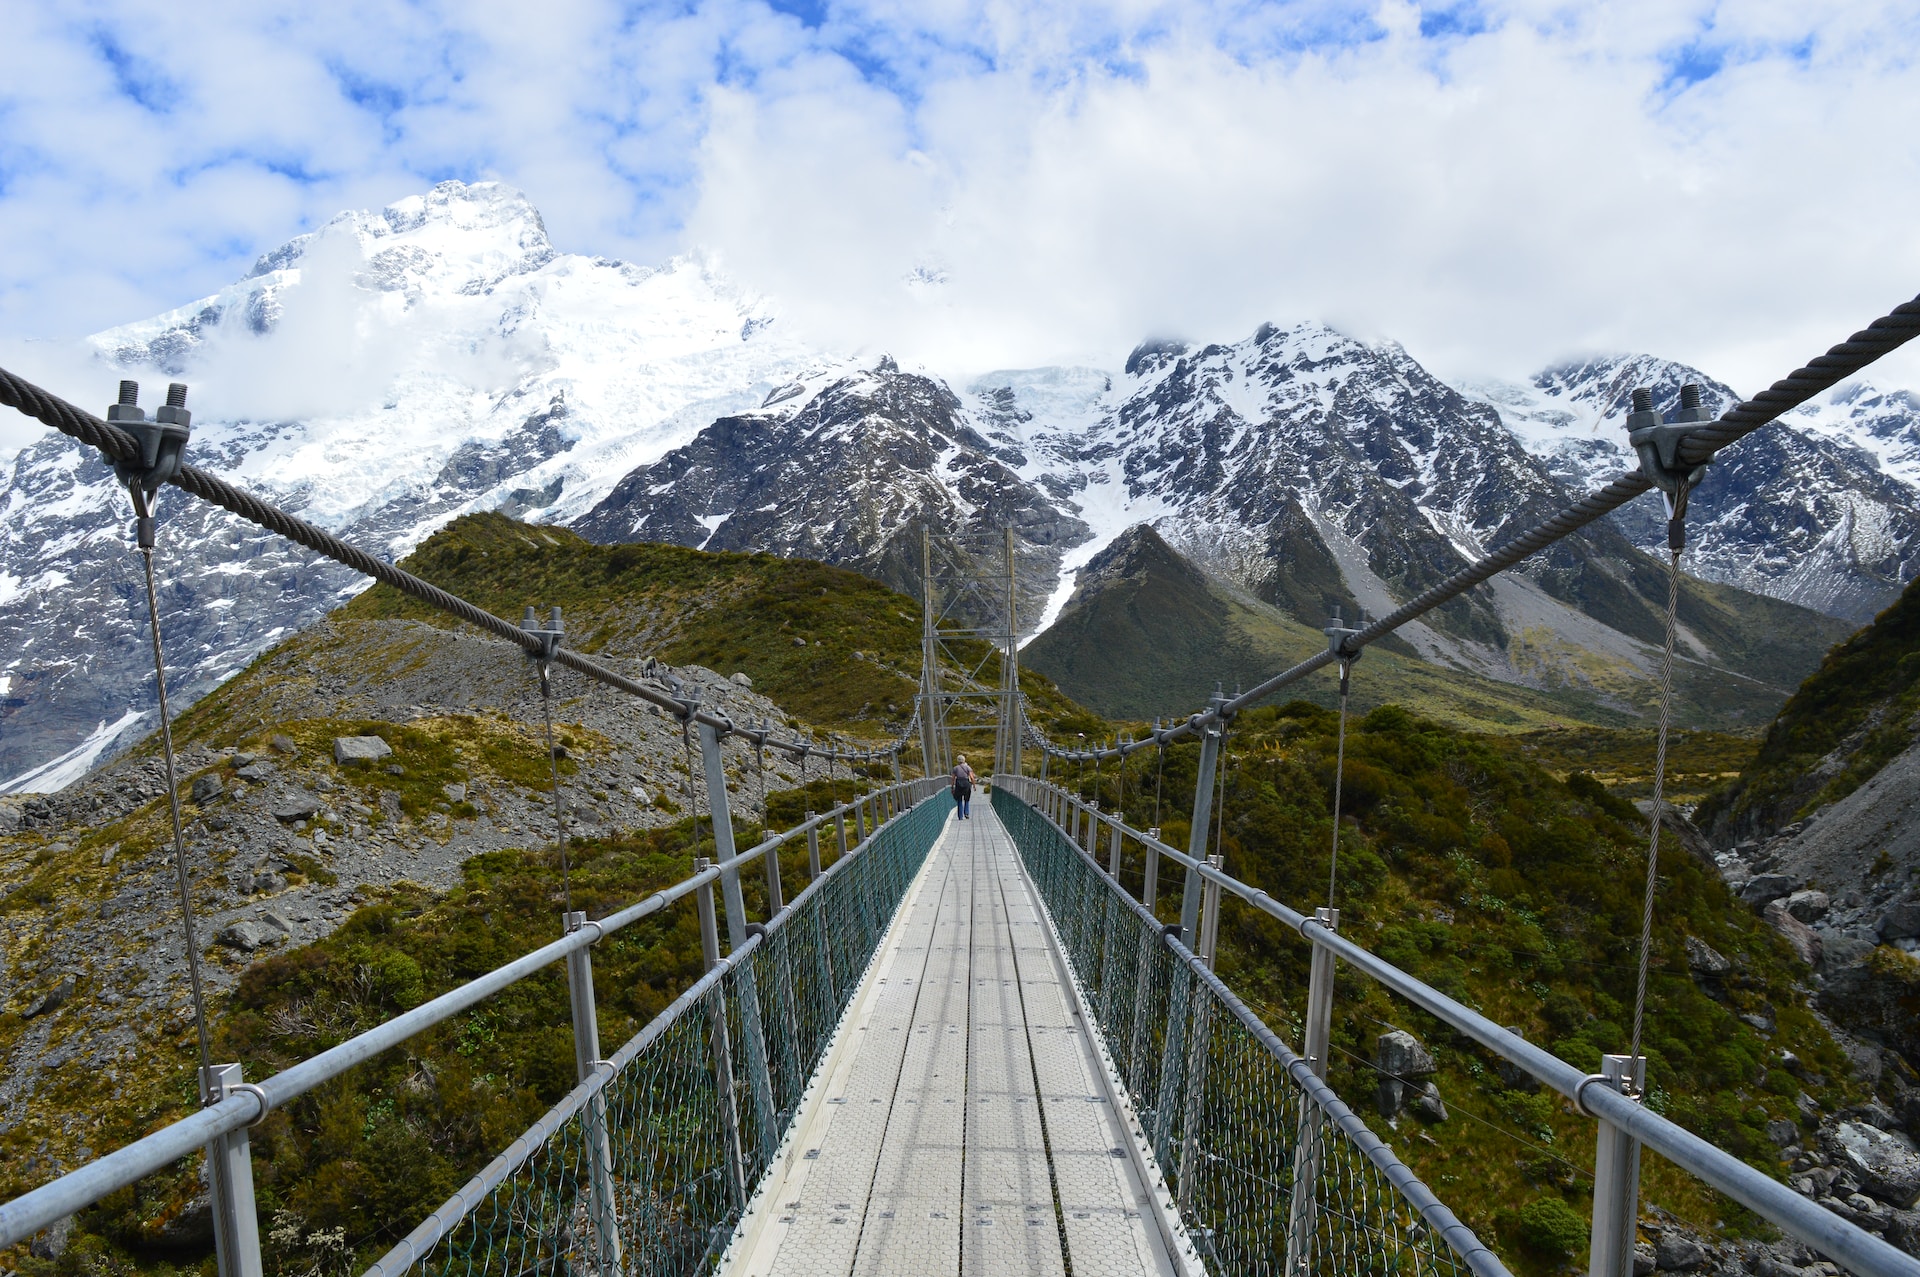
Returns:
(1853, 716)
(1473, 866)
(834, 648)
(1153, 635)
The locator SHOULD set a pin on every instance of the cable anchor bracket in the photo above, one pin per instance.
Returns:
(1659, 445)
(1339, 638)
(163, 447)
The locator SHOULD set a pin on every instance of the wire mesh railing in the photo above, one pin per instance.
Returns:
(646, 1167)
(1271, 1172)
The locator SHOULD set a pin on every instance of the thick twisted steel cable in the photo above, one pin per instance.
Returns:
(118, 445)
(1883, 336)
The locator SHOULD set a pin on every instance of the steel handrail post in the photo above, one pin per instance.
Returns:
(1302, 1217)
(719, 809)
(813, 848)
(721, 1046)
(1616, 1175)
(586, 1058)
(1197, 838)
(840, 830)
(1210, 913)
(236, 1221)
(1093, 828)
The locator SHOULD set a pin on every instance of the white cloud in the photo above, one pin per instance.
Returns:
(1730, 183)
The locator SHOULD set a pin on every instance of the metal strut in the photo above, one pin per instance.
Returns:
(543, 657)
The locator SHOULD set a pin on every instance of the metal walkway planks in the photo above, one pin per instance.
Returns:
(961, 1126)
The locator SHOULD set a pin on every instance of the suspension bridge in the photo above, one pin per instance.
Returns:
(959, 1046)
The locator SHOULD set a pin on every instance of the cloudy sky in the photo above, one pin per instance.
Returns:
(980, 183)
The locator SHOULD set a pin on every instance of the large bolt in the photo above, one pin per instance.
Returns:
(129, 393)
(176, 394)
(1643, 400)
(1690, 395)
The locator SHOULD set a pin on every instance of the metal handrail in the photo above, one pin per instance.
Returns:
(1813, 1224)
(36, 1209)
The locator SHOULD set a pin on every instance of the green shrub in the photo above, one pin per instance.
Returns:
(1551, 1226)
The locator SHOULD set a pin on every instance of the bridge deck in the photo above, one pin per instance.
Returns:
(963, 1126)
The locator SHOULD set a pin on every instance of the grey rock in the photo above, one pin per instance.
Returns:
(51, 1241)
(1841, 949)
(390, 805)
(297, 805)
(1427, 1105)
(1903, 1230)
(255, 772)
(360, 749)
(1876, 1115)
(456, 792)
(1678, 1252)
(1902, 922)
(247, 935)
(1782, 1132)
(267, 884)
(1643, 1259)
(278, 921)
(52, 1000)
(1808, 905)
(1704, 959)
(1804, 940)
(1762, 889)
(207, 788)
(743, 681)
(1768, 1266)
(1884, 1162)
(395, 769)
(282, 744)
(1402, 1062)
(241, 760)
(1762, 1020)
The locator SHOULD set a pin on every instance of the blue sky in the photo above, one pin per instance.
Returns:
(1494, 185)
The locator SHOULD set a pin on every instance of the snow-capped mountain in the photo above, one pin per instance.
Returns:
(1821, 508)
(394, 369)
(380, 376)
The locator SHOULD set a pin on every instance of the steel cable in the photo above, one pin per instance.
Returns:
(118, 445)
(553, 762)
(1339, 776)
(143, 511)
(1881, 337)
(1659, 798)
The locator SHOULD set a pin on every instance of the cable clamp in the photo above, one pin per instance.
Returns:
(1659, 445)
(548, 637)
(163, 440)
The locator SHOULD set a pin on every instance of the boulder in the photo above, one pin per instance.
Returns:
(1902, 922)
(1849, 948)
(255, 772)
(742, 680)
(1884, 1162)
(50, 1001)
(1782, 1132)
(1762, 889)
(1643, 1260)
(206, 788)
(1403, 1062)
(1427, 1105)
(282, 744)
(1704, 959)
(1903, 1230)
(1804, 939)
(51, 1242)
(247, 935)
(390, 808)
(456, 792)
(1809, 906)
(297, 805)
(1677, 1252)
(360, 749)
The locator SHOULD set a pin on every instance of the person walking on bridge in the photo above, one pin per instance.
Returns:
(963, 787)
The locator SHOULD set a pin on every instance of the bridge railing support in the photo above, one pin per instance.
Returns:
(719, 1045)
(586, 1058)
(1616, 1175)
(813, 848)
(236, 1228)
(758, 1082)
